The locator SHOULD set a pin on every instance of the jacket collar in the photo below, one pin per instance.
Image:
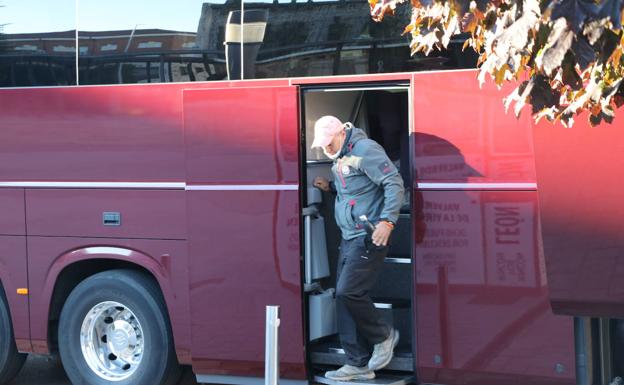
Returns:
(347, 145)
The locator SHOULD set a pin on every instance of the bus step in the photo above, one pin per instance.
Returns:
(332, 354)
(392, 303)
(400, 260)
(381, 379)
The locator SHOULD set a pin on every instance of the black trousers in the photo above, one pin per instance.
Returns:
(360, 324)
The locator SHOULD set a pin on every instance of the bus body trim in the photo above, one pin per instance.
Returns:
(477, 186)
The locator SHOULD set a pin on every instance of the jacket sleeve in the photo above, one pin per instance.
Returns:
(332, 187)
(380, 169)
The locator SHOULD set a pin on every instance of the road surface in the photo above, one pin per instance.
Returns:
(42, 370)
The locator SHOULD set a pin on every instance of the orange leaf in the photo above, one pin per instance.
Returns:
(469, 23)
(499, 74)
(381, 9)
(616, 56)
(409, 28)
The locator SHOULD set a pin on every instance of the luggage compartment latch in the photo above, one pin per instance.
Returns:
(111, 219)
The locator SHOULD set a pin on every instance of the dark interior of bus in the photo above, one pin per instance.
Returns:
(381, 111)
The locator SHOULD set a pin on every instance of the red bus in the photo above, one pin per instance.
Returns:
(147, 226)
(196, 193)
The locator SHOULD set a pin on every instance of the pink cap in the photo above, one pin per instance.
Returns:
(324, 130)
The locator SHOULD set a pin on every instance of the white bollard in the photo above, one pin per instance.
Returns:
(271, 352)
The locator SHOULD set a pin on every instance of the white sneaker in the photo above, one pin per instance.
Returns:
(348, 373)
(383, 351)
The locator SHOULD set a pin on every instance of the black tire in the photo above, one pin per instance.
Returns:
(138, 293)
(11, 361)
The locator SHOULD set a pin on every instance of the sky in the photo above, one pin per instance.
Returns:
(28, 16)
(31, 16)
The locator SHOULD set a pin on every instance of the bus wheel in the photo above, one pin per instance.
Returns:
(10, 360)
(114, 329)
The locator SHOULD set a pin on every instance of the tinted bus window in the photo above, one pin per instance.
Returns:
(37, 43)
(149, 41)
(313, 38)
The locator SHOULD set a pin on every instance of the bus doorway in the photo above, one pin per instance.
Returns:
(382, 112)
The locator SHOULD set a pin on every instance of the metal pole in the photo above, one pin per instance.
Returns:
(606, 361)
(308, 249)
(242, 40)
(271, 353)
(582, 352)
(125, 51)
(77, 63)
(445, 318)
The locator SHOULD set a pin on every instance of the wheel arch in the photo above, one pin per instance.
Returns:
(77, 265)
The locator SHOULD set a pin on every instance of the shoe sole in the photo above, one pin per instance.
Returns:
(395, 342)
(370, 376)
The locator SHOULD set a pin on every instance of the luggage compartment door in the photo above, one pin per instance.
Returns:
(243, 218)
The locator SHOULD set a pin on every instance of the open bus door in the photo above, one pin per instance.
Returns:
(242, 165)
(381, 111)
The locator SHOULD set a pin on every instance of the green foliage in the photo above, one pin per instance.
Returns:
(565, 54)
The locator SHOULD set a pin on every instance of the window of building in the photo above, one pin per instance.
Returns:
(337, 37)
(156, 41)
(37, 43)
(150, 41)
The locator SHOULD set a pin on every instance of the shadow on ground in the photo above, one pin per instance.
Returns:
(43, 370)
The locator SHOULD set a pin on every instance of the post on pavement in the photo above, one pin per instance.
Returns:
(271, 353)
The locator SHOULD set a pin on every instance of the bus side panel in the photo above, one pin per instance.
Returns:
(13, 218)
(13, 267)
(482, 310)
(243, 213)
(104, 134)
(58, 217)
(463, 134)
(149, 214)
(581, 178)
(130, 134)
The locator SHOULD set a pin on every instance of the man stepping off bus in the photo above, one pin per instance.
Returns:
(369, 196)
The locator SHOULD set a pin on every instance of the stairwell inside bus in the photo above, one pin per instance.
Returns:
(382, 112)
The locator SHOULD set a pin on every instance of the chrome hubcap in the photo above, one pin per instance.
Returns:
(112, 342)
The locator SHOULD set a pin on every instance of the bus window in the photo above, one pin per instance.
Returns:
(152, 41)
(321, 38)
(37, 43)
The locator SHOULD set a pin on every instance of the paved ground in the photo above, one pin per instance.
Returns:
(41, 370)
